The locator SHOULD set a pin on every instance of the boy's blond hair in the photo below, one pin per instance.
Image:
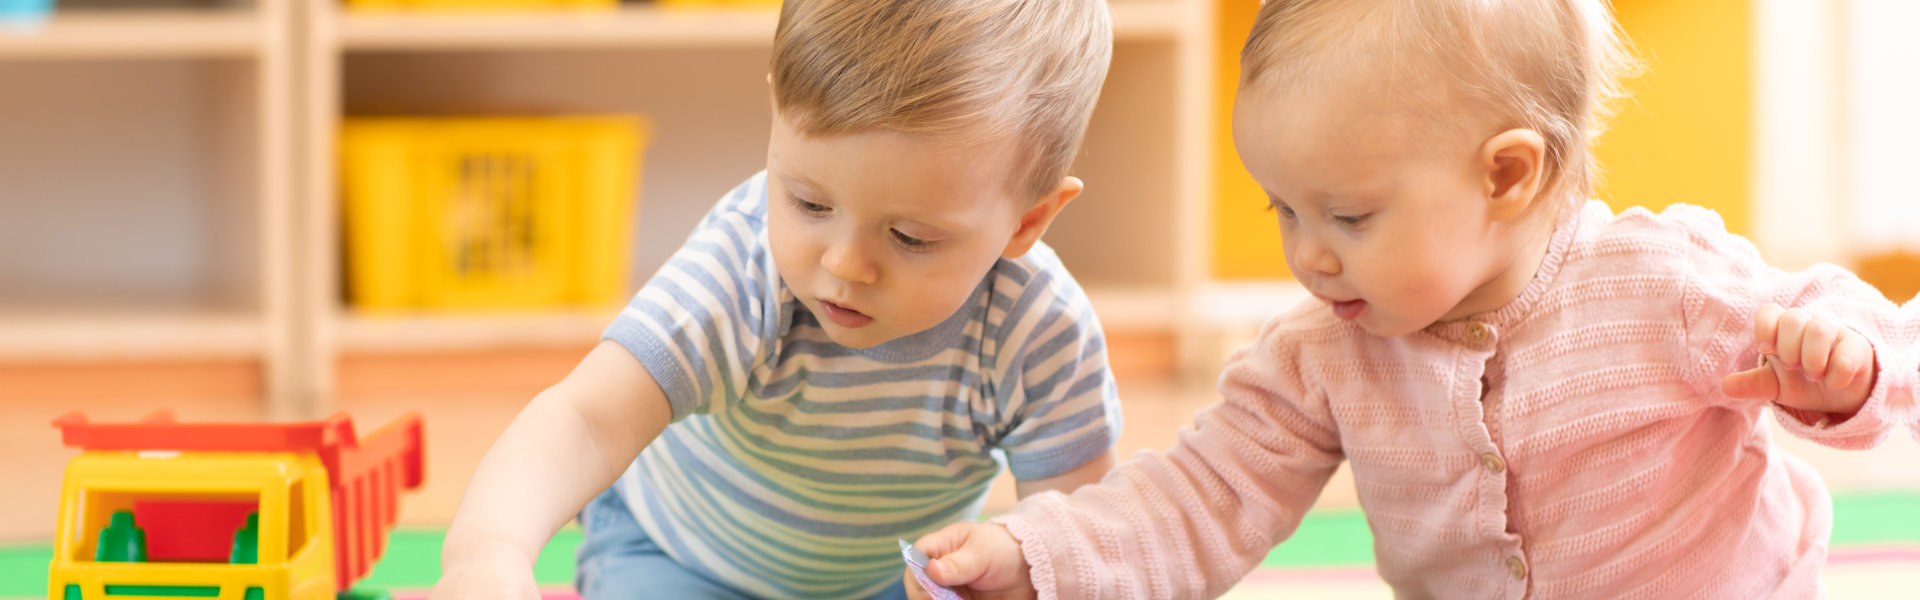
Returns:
(982, 70)
(1553, 66)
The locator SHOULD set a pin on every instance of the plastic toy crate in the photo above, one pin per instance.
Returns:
(481, 213)
(25, 10)
(482, 4)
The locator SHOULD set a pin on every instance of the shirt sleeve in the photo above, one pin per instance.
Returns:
(1058, 403)
(1909, 339)
(700, 323)
(1192, 522)
(1727, 282)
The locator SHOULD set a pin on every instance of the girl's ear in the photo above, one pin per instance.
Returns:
(1514, 163)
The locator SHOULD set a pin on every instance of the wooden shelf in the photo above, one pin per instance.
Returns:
(1134, 307)
(365, 333)
(1140, 20)
(134, 34)
(1131, 308)
(638, 26)
(49, 336)
(1235, 303)
(1118, 307)
(629, 27)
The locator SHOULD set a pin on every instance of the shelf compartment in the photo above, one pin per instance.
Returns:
(642, 26)
(135, 34)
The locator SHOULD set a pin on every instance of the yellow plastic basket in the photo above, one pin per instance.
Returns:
(488, 213)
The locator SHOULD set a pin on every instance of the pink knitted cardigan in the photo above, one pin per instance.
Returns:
(1574, 443)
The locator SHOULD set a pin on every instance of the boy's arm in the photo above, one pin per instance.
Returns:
(1087, 473)
(1057, 401)
(565, 447)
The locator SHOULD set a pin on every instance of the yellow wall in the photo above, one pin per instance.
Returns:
(1683, 136)
(1246, 238)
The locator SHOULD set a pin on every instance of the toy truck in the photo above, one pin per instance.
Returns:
(231, 511)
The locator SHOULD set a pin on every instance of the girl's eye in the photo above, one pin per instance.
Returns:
(1286, 211)
(1351, 221)
(911, 243)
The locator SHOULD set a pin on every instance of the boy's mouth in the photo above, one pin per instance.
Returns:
(843, 316)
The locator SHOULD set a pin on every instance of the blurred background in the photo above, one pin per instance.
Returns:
(281, 209)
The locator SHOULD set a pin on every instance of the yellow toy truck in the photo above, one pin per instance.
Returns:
(159, 510)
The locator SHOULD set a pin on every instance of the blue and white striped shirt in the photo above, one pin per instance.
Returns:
(794, 462)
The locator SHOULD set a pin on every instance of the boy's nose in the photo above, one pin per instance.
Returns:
(846, 263)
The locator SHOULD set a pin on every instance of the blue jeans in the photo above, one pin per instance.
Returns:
(617, 560)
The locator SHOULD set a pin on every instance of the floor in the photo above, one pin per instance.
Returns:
(467, 399)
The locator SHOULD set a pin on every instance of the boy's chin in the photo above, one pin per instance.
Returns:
(859, 340)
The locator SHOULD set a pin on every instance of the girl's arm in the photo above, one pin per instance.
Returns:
(1726, 302)
(567, 446)
(1188, 523)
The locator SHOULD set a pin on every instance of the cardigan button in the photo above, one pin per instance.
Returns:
(1479, 332)
(1517, 567)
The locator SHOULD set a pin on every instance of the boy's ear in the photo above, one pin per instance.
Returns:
(1514, 163)
(1034, 222)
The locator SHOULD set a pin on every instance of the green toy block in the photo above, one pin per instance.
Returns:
(246, 543)
(364, 594)
(121, 540)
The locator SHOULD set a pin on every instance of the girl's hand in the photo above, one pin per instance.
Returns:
(979, 561)
(1809, 362)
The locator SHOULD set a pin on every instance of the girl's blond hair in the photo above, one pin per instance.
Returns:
(1553, 66)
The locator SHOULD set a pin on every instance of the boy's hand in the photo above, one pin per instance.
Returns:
(1809, 362)
(491, 573)
(980, 561)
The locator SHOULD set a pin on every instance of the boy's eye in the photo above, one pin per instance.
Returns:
(1285, 211)
(910, 242)
(1351, 221)
(809, 207)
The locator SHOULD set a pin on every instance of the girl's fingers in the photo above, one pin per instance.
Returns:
(1817, 343)
(1787, 340)
(1758, 383)
(1852, 361)
(1766, 323)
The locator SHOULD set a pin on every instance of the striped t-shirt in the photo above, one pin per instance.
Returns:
(794, 462)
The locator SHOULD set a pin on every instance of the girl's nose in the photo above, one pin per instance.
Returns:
(1312, 256)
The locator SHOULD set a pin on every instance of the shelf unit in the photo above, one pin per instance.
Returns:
(699, 75)
(171, 242)
(208, 229)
